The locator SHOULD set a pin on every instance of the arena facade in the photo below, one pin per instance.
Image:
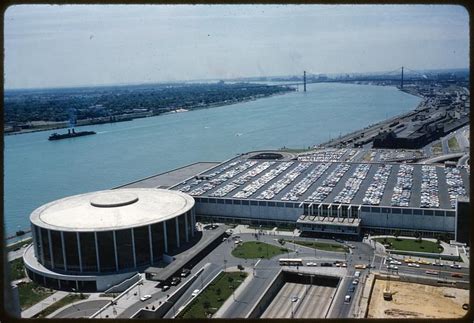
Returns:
(92, 241)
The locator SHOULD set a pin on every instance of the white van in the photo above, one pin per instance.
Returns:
(357, 274)
(347, 299)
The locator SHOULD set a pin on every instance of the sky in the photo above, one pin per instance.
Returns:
(82, 45)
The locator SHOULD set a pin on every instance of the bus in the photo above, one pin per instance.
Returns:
(291, 262)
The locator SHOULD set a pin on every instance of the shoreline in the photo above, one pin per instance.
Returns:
(132, 117)
(335, 141)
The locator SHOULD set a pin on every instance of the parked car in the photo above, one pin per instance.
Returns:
(455, 266)
(185, 272)
(347, 299)
(145, 297)
(164, 288)
(175, 281)
(352, 289)
(355, 282)
(195, 293)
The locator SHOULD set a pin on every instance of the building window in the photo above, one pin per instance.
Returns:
(253, 203)
(244, 202)
(57, 249)
(123, 239)
(396, 211)
(171, 234)
(406, 211)
(88, 255)
(142, 245)
(158, 241)
(72, 255)
(45, 247)
(105, 242)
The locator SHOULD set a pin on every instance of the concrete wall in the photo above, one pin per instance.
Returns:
(250, 211)
(105, 282)
(124, 285)
(408, 221)
(267, 296)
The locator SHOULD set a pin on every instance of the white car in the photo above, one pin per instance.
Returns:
(392, 267)
(195, 293)
(355, 282)
(455, 266)
(413, 265)
(311, 264)
(357, 274)
(144, 298)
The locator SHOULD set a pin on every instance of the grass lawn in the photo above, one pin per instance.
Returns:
(436, 148)
(215, 294)
(413, 245)
(453, 144)
(322, 246)
(17, 269)
(31, 293)
(71, 298)
(257, 249)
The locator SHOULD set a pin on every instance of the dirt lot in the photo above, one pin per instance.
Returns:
(417, 301)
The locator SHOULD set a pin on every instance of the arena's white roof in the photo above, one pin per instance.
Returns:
(112, 209)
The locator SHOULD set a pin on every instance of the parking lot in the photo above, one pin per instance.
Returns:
(326, 181)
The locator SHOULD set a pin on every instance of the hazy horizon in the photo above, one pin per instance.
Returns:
(66, 46)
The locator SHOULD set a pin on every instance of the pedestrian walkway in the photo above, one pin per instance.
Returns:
(242, 228)
(228, 303)
(38, 307)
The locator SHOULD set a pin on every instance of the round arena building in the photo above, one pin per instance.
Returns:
(92, 241)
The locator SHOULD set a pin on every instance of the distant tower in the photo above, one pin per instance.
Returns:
(401, 83)
(304, 80)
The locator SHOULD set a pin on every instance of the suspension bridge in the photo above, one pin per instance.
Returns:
(397, 75)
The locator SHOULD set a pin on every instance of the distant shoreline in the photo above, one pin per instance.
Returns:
(130, 117)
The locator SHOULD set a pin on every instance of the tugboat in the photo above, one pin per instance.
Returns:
(70, 134)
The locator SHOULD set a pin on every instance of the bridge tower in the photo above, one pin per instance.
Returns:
(401, 83)
(304, 80)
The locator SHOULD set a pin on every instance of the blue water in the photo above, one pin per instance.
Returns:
(39, 171)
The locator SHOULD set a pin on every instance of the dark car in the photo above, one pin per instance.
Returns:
(352, 289)
(326, 264)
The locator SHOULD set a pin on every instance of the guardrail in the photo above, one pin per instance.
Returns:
(116, 298)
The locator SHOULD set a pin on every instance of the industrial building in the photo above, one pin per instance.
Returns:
(331, 198)
(92, 241)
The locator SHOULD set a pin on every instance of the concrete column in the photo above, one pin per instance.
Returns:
(35, 239)
(186, 225)
(77, 285)
(193, 217)
(115, 251)
(79, 251)
(40, 239)
(64, 250)
(151, 245)
(59, 283)
(51, 248)
(133, 248)
(165, 235)
(97, 252)
(177, 232)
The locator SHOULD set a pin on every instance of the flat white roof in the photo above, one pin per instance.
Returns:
(112, 209)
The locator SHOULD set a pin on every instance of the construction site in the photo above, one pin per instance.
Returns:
(403, 299)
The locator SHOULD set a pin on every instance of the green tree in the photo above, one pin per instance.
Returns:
(396, 234)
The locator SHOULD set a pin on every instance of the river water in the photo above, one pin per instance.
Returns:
(38, 171)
